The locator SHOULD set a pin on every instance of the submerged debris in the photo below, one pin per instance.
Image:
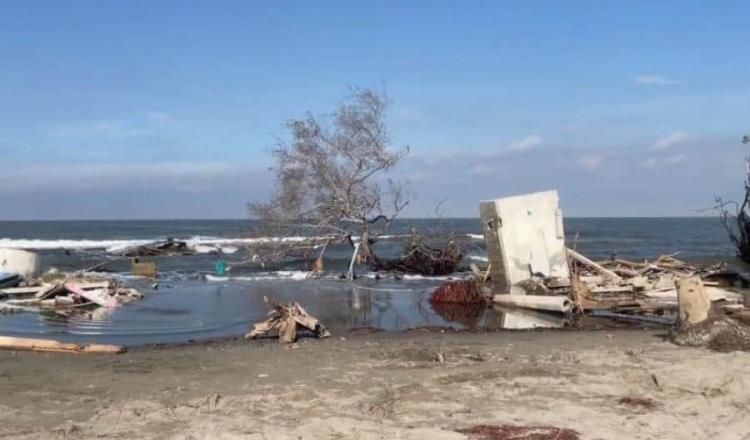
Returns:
(170, 246)
(287, 319)
(66, 293)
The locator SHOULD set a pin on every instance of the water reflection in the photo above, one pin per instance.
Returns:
(197, 310)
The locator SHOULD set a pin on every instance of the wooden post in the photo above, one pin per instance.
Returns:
(692, 300)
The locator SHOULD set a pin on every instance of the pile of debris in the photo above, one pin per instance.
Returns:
(65, 294)
(21, 290)
(420, 258)
(648, 288)
(531, 267)
(288, 320)
(168, 247)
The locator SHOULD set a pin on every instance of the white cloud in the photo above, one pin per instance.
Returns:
(653, 80)
(591, 162)
(528, 143)
(671, 140)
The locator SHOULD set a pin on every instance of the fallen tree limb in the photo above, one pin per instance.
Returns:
(286, 318)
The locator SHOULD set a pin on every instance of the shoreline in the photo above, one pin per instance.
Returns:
(382, 385)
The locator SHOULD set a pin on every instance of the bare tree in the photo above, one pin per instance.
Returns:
(331, 177)
(737, 223)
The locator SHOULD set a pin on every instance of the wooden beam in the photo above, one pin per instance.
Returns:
(594, 265)
(50, 345)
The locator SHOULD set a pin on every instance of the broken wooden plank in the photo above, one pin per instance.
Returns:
(594, 265)
(22, 291)
(100, 296)
(31, 344)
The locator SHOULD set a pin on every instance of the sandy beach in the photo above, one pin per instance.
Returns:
(621, 384)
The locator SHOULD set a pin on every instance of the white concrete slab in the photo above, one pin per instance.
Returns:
(524, 236)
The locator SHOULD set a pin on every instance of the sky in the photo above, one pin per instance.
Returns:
(168, 109)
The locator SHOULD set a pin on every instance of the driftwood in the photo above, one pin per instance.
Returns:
(422, 259)
(56, 346)
(287, 319)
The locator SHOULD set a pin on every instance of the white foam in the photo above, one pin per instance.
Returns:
(294, 275)
(228, 245)
(479, 258)
(68, 244)
(198, 243)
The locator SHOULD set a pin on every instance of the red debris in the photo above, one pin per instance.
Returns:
(458, 292)
(514, 432)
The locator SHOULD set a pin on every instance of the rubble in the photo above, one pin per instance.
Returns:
(170, 246)
(531, 267)
(66, 293)
(288, 319)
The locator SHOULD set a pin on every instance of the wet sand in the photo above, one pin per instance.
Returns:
(382, 386)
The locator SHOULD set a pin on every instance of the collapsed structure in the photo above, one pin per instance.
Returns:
(531, 267)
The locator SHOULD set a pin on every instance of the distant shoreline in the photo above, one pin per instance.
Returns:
(572, 217)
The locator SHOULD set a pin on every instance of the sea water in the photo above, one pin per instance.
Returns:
(190, 301)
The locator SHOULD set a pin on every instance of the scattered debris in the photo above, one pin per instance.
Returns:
(286, 318)
(29, 344)
(516, 432)
(66, 293)
(420, 258)
(530, 267)
(170, 246)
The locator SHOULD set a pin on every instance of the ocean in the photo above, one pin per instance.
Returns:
(190, 301)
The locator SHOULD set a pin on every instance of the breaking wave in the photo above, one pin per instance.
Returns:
(200, 244)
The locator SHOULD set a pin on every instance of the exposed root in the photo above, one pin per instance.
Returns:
(458, 292)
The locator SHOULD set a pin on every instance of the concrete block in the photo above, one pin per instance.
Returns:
(524, 236)
(21, 262)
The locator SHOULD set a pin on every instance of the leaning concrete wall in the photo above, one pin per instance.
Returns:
(524, 236)
(20, 262)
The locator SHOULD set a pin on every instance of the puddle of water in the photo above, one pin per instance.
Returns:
(194, 310)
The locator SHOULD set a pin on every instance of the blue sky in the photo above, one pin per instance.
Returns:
(159, 109)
